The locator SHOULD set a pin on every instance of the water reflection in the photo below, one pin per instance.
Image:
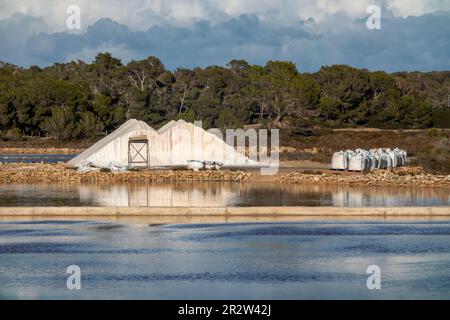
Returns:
(219, 194)
(165, 195)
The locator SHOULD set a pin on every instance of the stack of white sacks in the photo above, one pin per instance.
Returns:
(364, 160)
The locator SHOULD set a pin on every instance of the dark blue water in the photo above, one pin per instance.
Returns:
(225, 261)
(35, 158)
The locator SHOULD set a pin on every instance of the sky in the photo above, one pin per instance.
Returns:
(414, 34)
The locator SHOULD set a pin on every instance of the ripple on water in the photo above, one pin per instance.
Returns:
(245, 260)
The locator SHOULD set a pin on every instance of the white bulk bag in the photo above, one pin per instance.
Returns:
(361, 160)
(383, 163)
(399, 159)
(339, 161)
(375, 159)
(393, 155)
(195, 165)
(368, 159)
(388, 159)
(367, 163)
(358, 162)
(402, 154)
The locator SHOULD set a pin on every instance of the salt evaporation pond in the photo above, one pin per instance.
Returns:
(218, 194)
(307, 260)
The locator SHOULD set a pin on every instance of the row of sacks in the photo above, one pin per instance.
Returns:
(365, 160)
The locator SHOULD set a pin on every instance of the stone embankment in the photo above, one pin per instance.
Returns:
(404, 176)
(47, 173)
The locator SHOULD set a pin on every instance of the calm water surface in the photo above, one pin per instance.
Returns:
(219, 194)
(35, 158)
(307, 260)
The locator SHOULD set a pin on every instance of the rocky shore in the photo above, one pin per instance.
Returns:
(404, 176)
(51, 173)
(47, 173)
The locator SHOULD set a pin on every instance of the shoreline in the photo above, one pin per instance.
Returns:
(400, 177)
(50, 173)
(41, 150)
(40, 173)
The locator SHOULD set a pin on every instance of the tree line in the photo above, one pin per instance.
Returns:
(77, 100)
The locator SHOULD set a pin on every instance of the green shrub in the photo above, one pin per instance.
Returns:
(433, 132)
(441, 118)
(14, 134)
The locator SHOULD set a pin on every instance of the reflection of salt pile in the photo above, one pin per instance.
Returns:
(157, 195)
(348, 198)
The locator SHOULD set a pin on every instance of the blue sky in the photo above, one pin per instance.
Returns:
(414, 35)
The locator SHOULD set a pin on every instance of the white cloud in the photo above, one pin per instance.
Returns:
(142, 14)
(403, 8)
(255, 30)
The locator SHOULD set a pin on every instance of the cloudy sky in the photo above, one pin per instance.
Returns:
(414, 34)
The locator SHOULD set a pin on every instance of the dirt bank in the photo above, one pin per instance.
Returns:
(46, 173)
(405, 176)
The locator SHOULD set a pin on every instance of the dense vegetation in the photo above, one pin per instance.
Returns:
(79, 101)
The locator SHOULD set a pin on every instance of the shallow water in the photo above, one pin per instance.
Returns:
(219, 194)
(307, 260)
(35, 158)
